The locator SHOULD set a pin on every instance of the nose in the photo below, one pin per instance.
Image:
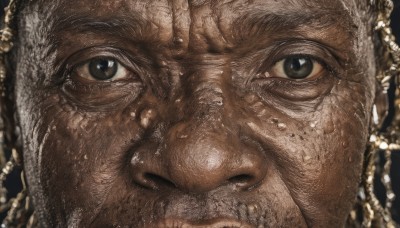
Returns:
(200, 160)
(204, 149)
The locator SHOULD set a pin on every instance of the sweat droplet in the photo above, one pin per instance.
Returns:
(178, 40)
(282, 126)
(182, 136)
(252, 209)
(306, 158)
(345, 144)
(146, 117)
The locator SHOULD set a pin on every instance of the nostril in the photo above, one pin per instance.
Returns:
(156, 182)
(243, 179)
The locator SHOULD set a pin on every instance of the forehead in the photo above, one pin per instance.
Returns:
(162, 12)
(199, 23)
(169, 5)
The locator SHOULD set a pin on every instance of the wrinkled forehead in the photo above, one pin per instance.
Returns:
(106, 6)
(207, 18)
(159, 11)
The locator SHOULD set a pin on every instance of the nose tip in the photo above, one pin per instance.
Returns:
(204, 168)
(199, 164)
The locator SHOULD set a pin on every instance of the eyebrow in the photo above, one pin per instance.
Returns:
(260, 23)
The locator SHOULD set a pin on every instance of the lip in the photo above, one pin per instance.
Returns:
(211, 223)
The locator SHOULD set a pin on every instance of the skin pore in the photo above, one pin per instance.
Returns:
(199, 125)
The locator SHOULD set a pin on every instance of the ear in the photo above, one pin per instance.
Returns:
(380, 108)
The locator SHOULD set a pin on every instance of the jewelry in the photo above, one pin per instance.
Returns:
(386, 140)
(18, 209)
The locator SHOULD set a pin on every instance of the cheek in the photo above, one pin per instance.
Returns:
(318, 153)
(74, 157)
(334, 144)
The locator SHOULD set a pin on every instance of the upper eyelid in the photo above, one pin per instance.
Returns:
(83, 56)
(65, 67)
(132, 61)
(306, 48)
(312, 57)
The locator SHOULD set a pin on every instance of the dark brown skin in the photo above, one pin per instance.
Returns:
(200, 129)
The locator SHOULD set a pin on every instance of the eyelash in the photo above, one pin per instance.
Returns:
(331, 69)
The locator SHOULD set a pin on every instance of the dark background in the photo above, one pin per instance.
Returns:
(14, 184)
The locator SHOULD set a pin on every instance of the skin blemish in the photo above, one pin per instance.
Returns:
(329, 127)
(251, 98)
(147, 116)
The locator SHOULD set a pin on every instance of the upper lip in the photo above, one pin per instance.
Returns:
(211, 223)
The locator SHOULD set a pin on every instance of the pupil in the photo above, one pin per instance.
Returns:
(103, 69)
(298, 67)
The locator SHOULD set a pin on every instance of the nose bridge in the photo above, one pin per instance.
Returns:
(206, 102)
(206, 93)
(197, 143)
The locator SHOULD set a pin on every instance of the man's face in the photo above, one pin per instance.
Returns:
(174, 113)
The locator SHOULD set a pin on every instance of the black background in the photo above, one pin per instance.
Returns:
(13, 184)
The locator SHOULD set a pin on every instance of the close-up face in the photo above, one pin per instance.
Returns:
(174, 113)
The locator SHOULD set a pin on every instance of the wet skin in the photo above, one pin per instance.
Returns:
(199, 126)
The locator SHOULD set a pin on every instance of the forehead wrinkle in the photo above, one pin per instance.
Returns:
(131, 25)
(129, 22)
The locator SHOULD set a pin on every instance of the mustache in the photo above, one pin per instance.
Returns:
(139, 211)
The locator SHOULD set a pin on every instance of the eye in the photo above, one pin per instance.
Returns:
(296, 67)
(102, 69)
